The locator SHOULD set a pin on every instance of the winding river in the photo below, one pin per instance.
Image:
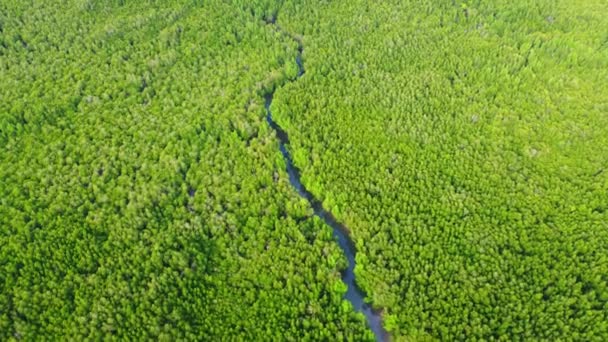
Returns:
(354, 295)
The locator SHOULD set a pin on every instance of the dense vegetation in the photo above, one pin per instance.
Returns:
(466, 146)
(143, 196)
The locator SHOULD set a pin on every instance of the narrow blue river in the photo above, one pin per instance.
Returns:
(354, 295)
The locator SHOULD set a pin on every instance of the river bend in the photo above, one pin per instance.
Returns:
(353, 294)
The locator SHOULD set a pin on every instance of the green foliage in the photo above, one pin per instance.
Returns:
(465, 145)
(143, 196)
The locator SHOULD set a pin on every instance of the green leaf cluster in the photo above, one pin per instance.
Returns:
(142, 195)
(466, 146)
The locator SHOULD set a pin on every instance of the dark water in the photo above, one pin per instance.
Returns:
(340, 232)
